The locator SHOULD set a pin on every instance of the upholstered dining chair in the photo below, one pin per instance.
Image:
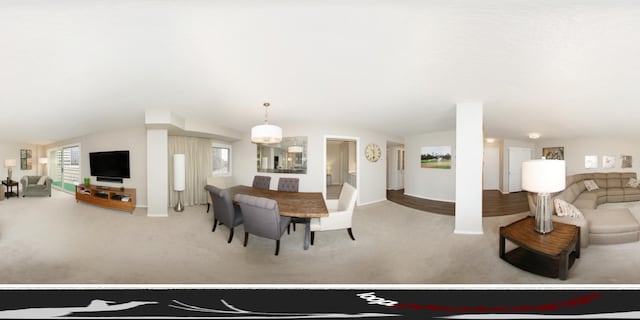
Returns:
(224, 212)
(219, 182)
(261, 182)
(340, 213)
(288, 184)
(262, 218)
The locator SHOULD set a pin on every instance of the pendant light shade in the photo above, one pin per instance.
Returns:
(266, 133)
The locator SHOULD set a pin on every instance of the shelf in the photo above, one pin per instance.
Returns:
(107, 197)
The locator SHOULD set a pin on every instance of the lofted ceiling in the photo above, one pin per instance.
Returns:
(562, 68)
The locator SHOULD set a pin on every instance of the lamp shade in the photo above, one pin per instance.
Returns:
(544, 176)
(178, 172)
(43, 160)
(10, 163)
(294, 149)
(266, 133)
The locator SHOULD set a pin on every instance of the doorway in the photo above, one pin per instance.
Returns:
(64, 167)
(341, 164)
(516, 157)
(395, 166)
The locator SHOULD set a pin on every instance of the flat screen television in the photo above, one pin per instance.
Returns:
(110, 166)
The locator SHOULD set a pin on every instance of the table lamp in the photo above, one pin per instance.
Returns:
(543, 177)
(9, 164)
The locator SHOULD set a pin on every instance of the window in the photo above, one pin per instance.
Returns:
(221, 157)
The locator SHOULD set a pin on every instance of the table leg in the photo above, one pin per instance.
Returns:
(307, 233)
(501, 245)
(563, 265)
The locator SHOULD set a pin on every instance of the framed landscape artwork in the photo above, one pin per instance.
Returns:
(556, 153)
(435, 157)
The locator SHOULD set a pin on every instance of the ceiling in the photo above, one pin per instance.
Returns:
(561, 68)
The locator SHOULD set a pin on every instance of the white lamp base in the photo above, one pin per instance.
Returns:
(543, 213)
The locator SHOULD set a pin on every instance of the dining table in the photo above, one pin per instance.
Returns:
(301, 205)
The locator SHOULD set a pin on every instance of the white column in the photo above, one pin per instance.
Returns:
(157, 173)
(468, 157)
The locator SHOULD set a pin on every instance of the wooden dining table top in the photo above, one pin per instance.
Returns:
(290, 204)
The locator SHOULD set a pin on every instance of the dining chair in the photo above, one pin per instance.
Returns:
(261, 182)
(290, 185)
(219, 182)
(340, 213)
(262, 218)
(224, 212)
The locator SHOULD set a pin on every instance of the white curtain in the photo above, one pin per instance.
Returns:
(198, 166)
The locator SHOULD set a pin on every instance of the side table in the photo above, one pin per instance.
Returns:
(550, 255)
(10, 184)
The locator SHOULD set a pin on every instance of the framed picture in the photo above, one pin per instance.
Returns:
(626, 162)
(556, 153)
(591, 162)
(435, 157)
(25, 159)
(608, 161)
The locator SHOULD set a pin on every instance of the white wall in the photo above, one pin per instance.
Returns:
(334, 165)
(506, 144)
(434, 184)
(133, 139)
(576, 149)
(11, 150)
(372, 183)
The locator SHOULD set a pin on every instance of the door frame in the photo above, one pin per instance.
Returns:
(324, 160)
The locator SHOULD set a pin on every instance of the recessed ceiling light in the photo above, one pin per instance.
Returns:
(534, 135)
(490, 140)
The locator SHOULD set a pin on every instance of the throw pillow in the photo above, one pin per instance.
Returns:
(591, 185)
(42, 180)
(633, 183)
(564, 208)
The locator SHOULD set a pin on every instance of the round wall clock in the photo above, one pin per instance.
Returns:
(372, 152)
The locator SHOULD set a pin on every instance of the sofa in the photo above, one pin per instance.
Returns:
(599, 225)
(30, 186)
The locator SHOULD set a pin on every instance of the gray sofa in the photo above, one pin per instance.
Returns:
(601, 225)
(30, 186)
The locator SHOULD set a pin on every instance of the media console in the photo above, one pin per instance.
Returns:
(108, 197)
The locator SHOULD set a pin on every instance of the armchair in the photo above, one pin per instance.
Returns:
(340, 213)
(30, 186)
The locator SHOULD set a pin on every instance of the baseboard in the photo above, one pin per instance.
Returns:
(372, 202)
(434, 199)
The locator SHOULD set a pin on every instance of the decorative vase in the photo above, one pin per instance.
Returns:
(87, 181)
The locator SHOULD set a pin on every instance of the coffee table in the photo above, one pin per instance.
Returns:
(550, 255)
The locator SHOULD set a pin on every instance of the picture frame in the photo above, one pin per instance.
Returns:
(438, 157)
(591, 162)
(626, 162)
(26, 159)
(555, 153)
(608, 162)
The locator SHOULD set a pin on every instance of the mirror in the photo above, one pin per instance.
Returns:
(288, 156)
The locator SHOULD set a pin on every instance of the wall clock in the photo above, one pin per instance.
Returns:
(372, 152)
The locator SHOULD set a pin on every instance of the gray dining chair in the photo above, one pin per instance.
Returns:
(288, 184)
(261, 182)
(224, 212)
(262, 218)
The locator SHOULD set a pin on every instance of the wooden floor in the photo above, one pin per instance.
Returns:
(494, 203)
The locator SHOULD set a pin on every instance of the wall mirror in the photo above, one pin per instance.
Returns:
(288, 156)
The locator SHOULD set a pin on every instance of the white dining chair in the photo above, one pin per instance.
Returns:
(340, 213)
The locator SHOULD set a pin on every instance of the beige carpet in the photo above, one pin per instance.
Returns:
(58, 241)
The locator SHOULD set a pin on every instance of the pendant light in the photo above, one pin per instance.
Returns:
(266, 133)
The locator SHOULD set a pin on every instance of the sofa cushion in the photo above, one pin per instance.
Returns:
(611, 220)
(586, 200)
(42, 180)
(615, 191)
(591, 185)
(564, 208)
(633, 183)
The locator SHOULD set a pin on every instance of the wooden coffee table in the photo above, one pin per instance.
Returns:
(550, 255)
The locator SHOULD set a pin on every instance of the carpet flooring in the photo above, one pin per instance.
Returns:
(58, 241)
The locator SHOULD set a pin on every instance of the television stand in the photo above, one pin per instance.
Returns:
(108, 197)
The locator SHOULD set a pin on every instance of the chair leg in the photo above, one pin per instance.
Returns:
(294, 227)
(208, 205)
(313, 236)
(351, 234)
(215, 223)
(289, 228)
(277, 246)
(230, 236)
(246, 238)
